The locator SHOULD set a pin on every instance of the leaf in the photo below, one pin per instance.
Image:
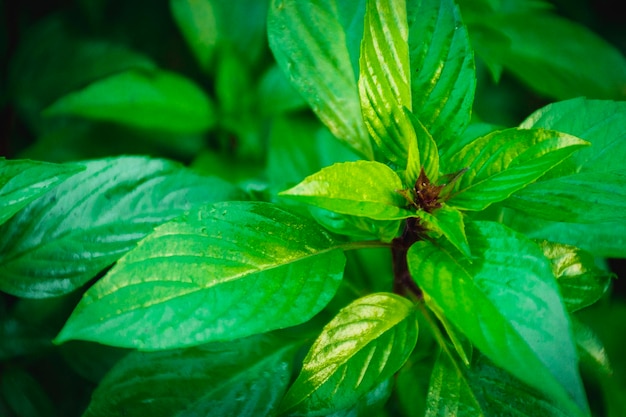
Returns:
(244, 377)
(507, 303)
(423, 153)
(316, 44)
(365, 344)
(443, 77)
(24, 394)
(156, 100)
(276, 95)
(373, 401)
(197, 22)
(554, 56)
(61, 240)
(22, 181)
(210, 275)
(505, 161)
(581, 282)
(361, 188)
(384, 81)
(448, 221)
(591, 349)
(355, 226)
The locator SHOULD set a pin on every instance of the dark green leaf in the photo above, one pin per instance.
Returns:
(210, 275)
(361, 188)
(507, 303)
(442, 68)
(22, 181)
(157, 100)
(316, 44)
(364, 345)
(554, 56)
(590, 348)
(384, 81)
(505, 161)
(370, 403)
(240, 378)
(24, 395)
(61, 240)
(197, 22)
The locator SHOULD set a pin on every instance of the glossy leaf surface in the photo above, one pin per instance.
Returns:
(156, 100)
(22, 181)
(384, 81)
(448, 221)
(505, 161)
(61, 240)
(581, 281)
(209, 275)
(366, 343)
(316, 44)
(443, 78)
(507, 303)
(361, 188)
(244, 377)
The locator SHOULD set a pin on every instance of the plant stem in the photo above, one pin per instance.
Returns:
(403, 283)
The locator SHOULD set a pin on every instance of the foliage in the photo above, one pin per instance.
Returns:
(290, 208)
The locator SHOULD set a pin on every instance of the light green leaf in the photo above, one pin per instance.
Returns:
(361, 188)
(210, 275)
(448, 222)
(63, 239)
(244, 377)
(276, 94)
(505, 161)
(356, 226)
(316, 44)
(156, 100)
(556, 57)
(580, 280)
(365, 344)
(443, 77)
(384, 81)
(197, 22)
(423, 153)
(507, 303)
(22, 181)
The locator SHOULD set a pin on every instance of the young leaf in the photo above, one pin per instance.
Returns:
(157, 100)
(365, 344)
(384, 81)
(448, 221)
(197, 22)
(530, 45)
(22, 181)
(580, 281)
(507, 303)
(61, 240)
(443, 77)
(246, 377)
(361, 188)
(505, 161)
(210, 275)
(423, 153)
(316, 44)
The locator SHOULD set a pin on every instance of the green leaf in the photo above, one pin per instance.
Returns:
(373, 401)
(423, 153)
(210, 275)
(591, 349)
(197, 22)
(365, 344)
(505, 161)
(316, 44)
(507, 303)
(589, 186)
(276, 95)
(355, 226)
(22, 181)
(384, 81)
(554, 56)
(61, 240)
(581, 282)
(443, 77)
(156, 100)
(361, 188)
(24, 394)
(448, 222)
(244, 377)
